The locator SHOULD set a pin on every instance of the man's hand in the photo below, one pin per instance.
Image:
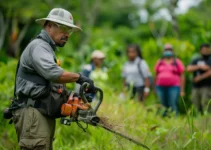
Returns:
(204, 67)
(205, 75)
(182, 93)
(83, 79)
(197, 79)
(146, 92)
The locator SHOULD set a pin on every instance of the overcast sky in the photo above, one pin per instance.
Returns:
(183, 7)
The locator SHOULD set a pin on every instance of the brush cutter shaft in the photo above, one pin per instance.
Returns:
(123, 136)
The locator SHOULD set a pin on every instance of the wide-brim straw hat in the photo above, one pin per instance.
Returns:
(97, 54)
(61, 16)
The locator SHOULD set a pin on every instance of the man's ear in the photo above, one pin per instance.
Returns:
(50, 24)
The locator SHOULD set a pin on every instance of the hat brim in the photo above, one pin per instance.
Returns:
(43, 20)
(98, 57)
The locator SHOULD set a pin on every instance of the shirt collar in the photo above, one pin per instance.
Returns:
(46, 37)
(136, 60)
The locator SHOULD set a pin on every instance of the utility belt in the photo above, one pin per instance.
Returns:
(28, 102)
(17, 103)
(49, 105)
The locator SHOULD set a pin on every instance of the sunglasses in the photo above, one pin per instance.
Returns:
(64, 28)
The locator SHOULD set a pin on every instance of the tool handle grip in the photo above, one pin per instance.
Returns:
(99, 100)
(82, 94)
(82, 91)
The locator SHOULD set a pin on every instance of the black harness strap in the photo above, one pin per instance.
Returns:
(35, 78)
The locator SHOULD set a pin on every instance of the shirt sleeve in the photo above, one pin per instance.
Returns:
(145, 69)
(44, 63)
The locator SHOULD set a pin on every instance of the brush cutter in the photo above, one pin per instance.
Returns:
(78, 109)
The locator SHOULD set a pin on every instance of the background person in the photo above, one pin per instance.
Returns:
(201, 69)
(136, 73)
(95, 70)
(169, 79)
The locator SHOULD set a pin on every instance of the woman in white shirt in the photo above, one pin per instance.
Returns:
(136, 73)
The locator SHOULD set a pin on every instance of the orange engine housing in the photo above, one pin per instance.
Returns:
(73, 104)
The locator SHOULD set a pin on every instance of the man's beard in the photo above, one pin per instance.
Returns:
(65, 39)
(60, 44)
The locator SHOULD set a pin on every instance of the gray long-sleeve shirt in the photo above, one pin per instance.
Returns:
(39, 58)
(131, 72)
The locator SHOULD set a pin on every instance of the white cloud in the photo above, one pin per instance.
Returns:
(184, 5)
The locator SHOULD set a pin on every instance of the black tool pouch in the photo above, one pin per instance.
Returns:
(8, 112)
(51, 104)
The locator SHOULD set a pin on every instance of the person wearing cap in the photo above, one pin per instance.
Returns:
(95, 70)
(169, 79)
(136, 73)
(39, 82)
(201, 69)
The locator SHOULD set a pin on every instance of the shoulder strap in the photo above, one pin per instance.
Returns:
(16, 72)
(175, 64)
(139, 69)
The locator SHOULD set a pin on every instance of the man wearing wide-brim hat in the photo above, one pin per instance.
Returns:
(39, 82)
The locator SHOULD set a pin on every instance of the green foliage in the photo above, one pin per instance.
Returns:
(8, 137)
(7, 80)
(110, 26)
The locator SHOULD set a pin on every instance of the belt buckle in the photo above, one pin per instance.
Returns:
(30, 102)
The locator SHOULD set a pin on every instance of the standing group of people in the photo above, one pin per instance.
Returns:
(169, 79)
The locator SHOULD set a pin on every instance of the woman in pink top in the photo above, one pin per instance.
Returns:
(169, 79)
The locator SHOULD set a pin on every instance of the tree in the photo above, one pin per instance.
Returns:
(17, 20)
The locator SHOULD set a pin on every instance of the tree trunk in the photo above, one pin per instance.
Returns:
(175, 26)
(3, 29)
(90, 17)
(14, 47)
(20, 38)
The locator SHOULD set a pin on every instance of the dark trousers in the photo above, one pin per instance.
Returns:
(137, 91)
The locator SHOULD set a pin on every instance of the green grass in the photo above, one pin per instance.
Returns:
(143, 123)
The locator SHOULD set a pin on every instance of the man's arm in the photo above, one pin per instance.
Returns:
(146, 74)
(44, 64)
(182, 86)
(192, 68)
(147, 83)
(202, 76)
(67, 77)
